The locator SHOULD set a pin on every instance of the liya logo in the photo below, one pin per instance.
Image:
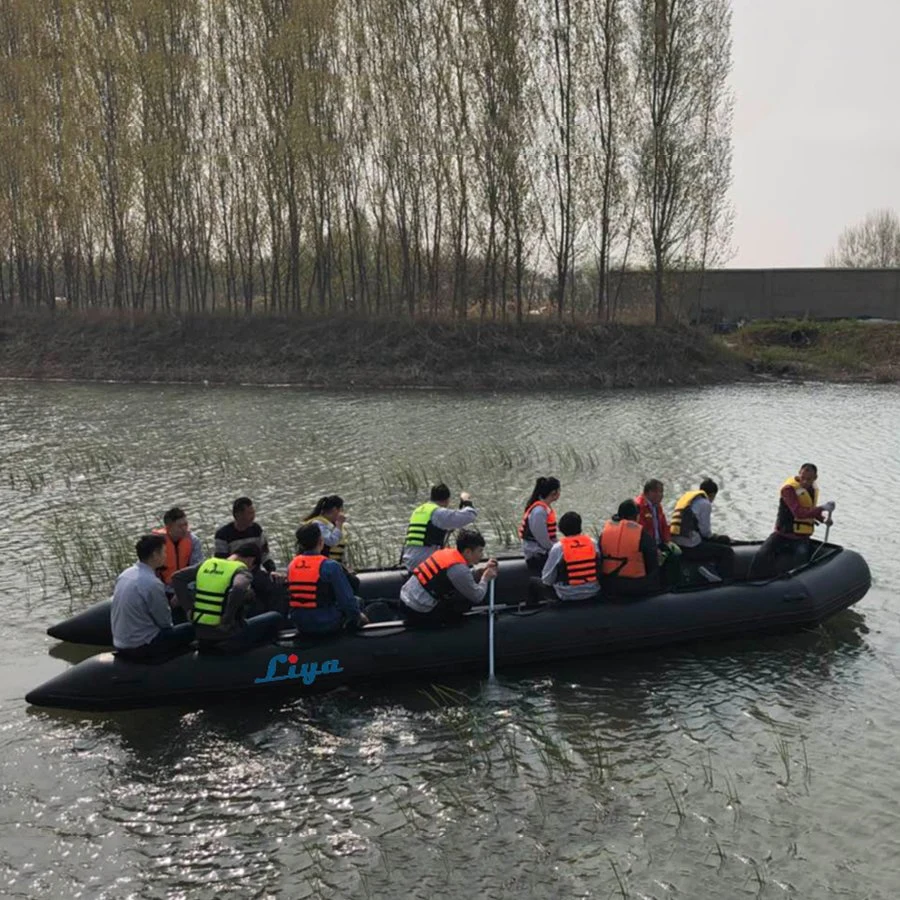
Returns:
(308, 671)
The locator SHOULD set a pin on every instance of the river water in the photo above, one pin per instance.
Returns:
(765, 767)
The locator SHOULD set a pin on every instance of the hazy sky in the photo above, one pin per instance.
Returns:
(817, 124)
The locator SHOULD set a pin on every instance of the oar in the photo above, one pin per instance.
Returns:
(491, 630)
(827, 530)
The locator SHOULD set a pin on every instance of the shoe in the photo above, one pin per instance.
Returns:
(711, 577)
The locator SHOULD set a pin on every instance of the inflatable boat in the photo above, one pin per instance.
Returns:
(833, 580)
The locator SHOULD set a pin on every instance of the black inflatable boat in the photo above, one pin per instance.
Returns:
(802, 597)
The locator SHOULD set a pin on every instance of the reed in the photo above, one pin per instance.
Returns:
(679, 807)
(784, 753)
(623, 890)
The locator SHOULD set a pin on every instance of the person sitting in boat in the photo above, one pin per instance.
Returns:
(691, 529)
(430, 523)
(328, 515)
(652, 519)
(182, 545)
(217, 594)
(444, 587)
(630, 563)
(798, 514)
(572, 567)
(538, 527)
(141, 618)
(320, 598)
(243, 529)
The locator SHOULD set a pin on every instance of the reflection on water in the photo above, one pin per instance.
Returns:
(762, 767)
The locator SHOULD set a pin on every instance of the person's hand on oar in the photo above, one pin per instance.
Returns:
(489, 572)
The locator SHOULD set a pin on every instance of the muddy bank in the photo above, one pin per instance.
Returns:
(348, 353)
(356, 353)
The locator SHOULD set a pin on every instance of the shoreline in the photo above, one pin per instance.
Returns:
(341, 353)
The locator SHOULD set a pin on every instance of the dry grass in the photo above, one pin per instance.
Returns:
(542, 354)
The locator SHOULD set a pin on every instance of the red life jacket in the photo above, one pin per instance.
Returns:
(579, 560)
(432, 573)
(525, 529)
(306, 588)
(178, 556)
(620, 546)
(645, 517)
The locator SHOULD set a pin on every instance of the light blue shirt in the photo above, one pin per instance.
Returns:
(140, 609)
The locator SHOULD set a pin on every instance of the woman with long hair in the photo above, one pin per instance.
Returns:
(328, 514)
(538, 528)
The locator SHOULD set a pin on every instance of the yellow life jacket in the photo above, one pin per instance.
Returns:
(786, 521)
(676, 526)
(214, 579)
(337, 551)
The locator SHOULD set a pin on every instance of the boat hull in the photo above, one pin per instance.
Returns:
(552, 631)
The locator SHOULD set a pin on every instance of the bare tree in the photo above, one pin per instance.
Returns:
(682, 87)
(874, 243)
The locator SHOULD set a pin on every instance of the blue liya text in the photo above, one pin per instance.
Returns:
(308, 671)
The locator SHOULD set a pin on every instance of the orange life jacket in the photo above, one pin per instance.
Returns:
(579, 560)
(432, 573)
(620, 546)
(178, 556)
(306, 588)
(525, 530)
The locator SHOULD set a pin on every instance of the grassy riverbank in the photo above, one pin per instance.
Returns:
(346, 352)
(355, 353)
(846, 350)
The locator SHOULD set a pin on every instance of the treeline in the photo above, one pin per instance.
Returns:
(374, 156)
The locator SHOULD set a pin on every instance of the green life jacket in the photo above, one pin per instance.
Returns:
(214, 579)
(420, 532)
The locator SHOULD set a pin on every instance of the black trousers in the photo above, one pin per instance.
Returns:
(720, 555)
(778, 554)
(536, 563)
(447, 611)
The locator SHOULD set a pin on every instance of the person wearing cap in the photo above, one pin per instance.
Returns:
(691, 528)
(798, 514)
(630, 563)
(431, 522)
(217, 595)
(573, 564)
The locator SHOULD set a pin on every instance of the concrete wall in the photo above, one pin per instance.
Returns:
(730, 294)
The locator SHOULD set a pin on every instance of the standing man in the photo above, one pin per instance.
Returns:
(798, 515)
(243, 529)
(182, 545)
(431, 522)
(692, 530)
(141, 618)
